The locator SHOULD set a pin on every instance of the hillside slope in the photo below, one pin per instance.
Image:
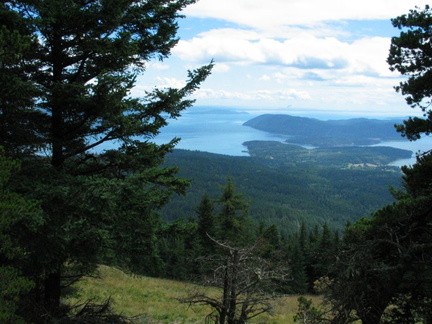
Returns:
(154, 300)
(304, 130)
(281, 194)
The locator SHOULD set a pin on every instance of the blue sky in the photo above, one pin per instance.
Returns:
(289, 56)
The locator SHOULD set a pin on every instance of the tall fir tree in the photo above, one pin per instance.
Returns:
(96, 171)
(19, 220)
(233, 220)
(206, 224)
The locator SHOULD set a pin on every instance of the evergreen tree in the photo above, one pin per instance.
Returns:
(19, 219)
(180, 248)
(386, 259)
(18, 123)
(410, 54)
(84, 60)
(302, 236)
(206, 223)
(233, 218)
(297, 260)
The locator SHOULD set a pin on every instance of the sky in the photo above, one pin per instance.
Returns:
(289, 56)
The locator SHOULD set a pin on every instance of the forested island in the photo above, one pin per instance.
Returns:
(311, 131)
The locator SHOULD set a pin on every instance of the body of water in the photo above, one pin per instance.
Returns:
(422, 145)
(222, 132)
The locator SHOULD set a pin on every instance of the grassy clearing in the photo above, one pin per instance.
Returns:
(154, 300)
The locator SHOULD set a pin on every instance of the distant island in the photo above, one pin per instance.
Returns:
(330, 133)
(280, 154)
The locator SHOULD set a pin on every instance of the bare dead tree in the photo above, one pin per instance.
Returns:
(246, 279)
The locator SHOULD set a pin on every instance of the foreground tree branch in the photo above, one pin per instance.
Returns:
(246, 280)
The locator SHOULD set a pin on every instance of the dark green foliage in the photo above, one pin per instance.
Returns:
(18, 124)
(206, 223)
(68, 70)
(411, 55)
(383, 271)
(180, 247)
(20, 218)
(284, 195)
(311, 131)
(233, 216)
(279, 154)
(311, 253)
(386, 259)
(184, 244)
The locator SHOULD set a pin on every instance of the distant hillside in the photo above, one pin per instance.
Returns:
(303, 130)
(284, 194)
(341, 156)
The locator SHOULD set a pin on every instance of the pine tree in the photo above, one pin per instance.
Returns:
(85, 57)
(233, 219)
(206, 224)
(19, 219)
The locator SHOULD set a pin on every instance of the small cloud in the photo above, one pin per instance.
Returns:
(271, 95)
(264, 77)
(221, 67)
(166, 82)
(272, 15)
(157, 66)
(309, 62)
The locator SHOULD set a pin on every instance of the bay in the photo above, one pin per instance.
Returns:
(419, 146)
(221, 131)
(214, 132)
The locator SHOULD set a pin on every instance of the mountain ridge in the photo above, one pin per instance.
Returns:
(312, 131)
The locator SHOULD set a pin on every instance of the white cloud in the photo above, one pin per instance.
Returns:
(221, 68)
(305, 51)
(157, 66)
(265, 77)
(273, 13)
(167, 82)
(277, 53)
(272, 95)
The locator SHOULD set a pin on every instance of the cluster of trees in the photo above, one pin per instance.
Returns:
(383, 271)
(284, 195)
(252, 263)
(226, 218)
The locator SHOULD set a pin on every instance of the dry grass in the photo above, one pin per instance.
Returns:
(155, 300)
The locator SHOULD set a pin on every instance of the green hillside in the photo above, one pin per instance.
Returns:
(154, 300)
(340, 156)
(284, 194)
(304, 130)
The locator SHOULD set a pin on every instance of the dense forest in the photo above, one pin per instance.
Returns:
(285, 220)
(286, 194)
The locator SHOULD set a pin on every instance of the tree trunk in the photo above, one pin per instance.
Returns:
(56, 99)
(233, 288)
(225, 301)
(52, 293)
(373, 316)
